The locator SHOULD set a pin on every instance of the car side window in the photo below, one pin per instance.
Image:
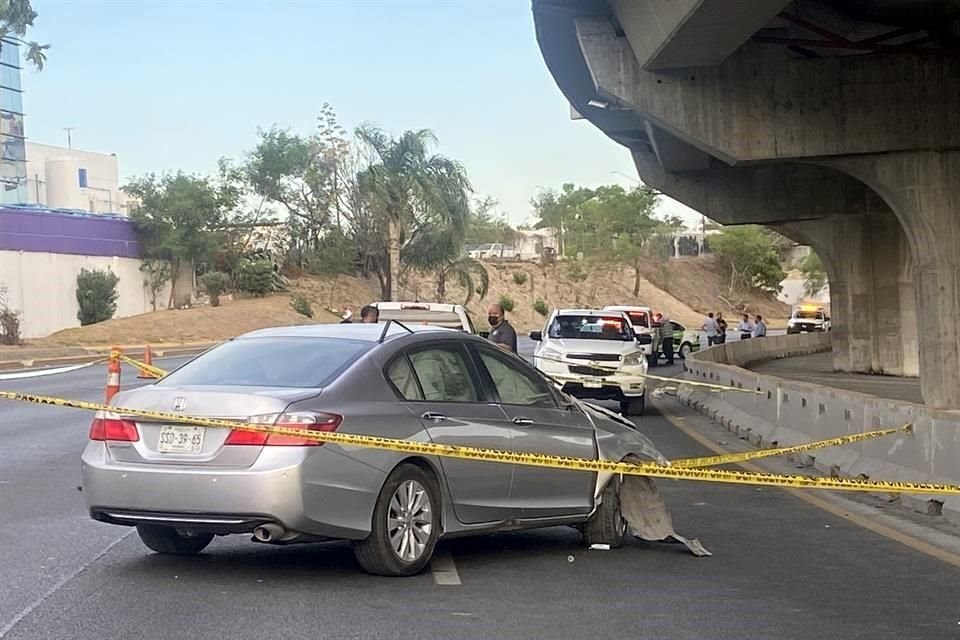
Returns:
(514, 385)
(444, 375)
(403, 378)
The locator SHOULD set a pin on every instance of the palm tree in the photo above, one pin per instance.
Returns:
(468, 273)
(413, 190)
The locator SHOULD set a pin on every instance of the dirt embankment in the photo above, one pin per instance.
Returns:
(684, 289)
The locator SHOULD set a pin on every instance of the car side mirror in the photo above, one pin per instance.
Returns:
(536, 336)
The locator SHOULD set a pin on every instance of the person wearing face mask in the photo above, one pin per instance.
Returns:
(501, 333)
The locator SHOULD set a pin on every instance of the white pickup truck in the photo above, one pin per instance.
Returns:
(808, 318)
(594, 354)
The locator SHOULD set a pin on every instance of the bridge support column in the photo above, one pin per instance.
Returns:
(864, 258)
(923, 189)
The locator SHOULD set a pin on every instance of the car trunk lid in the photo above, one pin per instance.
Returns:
(167, 442)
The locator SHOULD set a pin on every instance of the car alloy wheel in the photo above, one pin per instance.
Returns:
(409, 521)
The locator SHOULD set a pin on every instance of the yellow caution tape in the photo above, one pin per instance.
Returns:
(510, 457)
(156, 372)
(729, 458)
(649, 376)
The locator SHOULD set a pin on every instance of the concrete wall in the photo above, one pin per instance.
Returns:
(43, 287)
(52, 179)
(785, 412)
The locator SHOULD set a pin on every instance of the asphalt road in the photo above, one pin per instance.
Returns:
(782, 568)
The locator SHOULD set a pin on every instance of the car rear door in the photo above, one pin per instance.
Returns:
(441, 385)
(540, 425)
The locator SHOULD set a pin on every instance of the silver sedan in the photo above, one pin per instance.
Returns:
(183, 485)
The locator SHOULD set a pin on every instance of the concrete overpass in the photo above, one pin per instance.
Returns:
(835, 121)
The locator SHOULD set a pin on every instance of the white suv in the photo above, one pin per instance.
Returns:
(594, 355)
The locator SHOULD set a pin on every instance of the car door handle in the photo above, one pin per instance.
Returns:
(434, 417)
(521, 420)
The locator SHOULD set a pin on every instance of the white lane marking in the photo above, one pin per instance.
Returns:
(59, 584)
(443, 568)
(37, 373)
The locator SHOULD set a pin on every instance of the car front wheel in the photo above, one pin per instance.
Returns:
(170, 541)
(685, 350)
(607, 525)
(633, 406)
(405, 526)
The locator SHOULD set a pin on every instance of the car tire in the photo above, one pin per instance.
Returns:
(685, 350)
(633, 406)
(408, 486)
(168, 540)
(607, 525)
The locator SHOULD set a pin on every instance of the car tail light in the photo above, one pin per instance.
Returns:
(112, 428)
(303, 421)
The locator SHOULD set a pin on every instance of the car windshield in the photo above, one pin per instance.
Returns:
(271, 362)
(809, 315)
(590, 328)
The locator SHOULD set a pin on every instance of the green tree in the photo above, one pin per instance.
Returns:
(16, 17)
(814, 275)
(411, 191)
(750, 256)
(180, 218)
(488, 227)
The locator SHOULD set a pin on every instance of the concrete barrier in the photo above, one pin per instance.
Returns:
(787, 412)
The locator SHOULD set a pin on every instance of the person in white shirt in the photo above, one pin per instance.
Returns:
(745, 328)
(759, 328)
(711, 329)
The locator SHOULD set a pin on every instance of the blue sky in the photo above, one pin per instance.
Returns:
(177, 84)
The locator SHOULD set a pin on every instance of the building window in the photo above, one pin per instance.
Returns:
(82, 176)
(11, 100)
(10, 77)
(11, 124)
(10, 53)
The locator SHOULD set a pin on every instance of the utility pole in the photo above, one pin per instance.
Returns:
(69, 137)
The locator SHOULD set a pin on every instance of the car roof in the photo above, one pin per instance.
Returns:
(587, 312)
(612, 307)
(366, 332)
(431, 306)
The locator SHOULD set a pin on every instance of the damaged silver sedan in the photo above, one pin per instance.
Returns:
(181, 486)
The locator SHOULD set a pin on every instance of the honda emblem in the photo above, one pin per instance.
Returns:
(179, 404)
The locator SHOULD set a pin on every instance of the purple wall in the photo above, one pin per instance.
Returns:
(59, 231)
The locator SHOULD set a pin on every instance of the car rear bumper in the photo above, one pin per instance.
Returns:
(316, 491)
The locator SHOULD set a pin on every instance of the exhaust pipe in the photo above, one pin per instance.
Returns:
(268, 532)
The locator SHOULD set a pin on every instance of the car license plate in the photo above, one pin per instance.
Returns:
(181, 439)
(592, 384)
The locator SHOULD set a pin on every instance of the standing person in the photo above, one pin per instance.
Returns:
(710, 328)
(721, 329)
(665, 333)
(369, 314)
(745, 328)
(501, 333)
(347, 316)
(759, 329)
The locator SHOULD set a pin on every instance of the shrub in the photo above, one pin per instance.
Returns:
(215, 283)
(519, 277)
(541, 307)
(9, 321)
(96, 295)
(576, 272)
(256, 277)
(302, 306)
(506, 303)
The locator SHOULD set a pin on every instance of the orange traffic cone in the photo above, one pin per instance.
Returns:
(113, 375)
(147, 359)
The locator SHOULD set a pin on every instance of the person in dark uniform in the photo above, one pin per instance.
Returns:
(501, 333)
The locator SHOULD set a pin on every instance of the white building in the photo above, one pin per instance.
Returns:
(63, 178)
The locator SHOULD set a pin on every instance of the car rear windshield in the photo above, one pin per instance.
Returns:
(639, 319)
(271, 362)
(590, 328)
(809, 315)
